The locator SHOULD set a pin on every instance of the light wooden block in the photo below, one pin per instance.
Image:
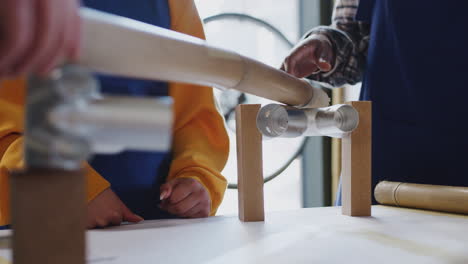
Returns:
(356, 178)
(249, 164)
(48, 217)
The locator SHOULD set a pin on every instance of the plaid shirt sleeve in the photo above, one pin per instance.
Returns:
(350, 39)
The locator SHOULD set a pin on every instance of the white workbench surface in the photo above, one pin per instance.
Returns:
(320, 235)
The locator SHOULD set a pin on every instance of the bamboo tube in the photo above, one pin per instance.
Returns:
(423, 196)
(121, 46)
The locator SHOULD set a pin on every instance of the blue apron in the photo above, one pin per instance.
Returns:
(135, 176)
(415, 75)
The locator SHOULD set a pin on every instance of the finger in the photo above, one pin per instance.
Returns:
(91, 224)
(324, 53)
(193, 212)
(69, 31)
(201, 214)
(287, 65)
(17, 33)
(115, 218)
(303, 61)
(90, 219)
(70, 35)
(166, 190)
(129, 216)
(55, 50)
(305, 69)
(183, 189)
(56, 56)
(185, 205)
(181, 210)
(163, 205)
(48, 37)
(75, 45)
(101, 222)
(196, 210)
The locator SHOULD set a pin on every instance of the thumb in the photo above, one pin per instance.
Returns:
(129, 216)
(325, 56)
(167, 188)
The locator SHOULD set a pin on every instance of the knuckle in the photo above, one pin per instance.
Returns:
(173, 198)
(101, 222)
(194, 184)
(91, 224)
(204, 196)
(115, 215)
(170, 209)
(178, 209)
(205, 213)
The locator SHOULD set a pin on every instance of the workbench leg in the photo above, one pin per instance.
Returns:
(356, 178)
(48, 217)
(249, 164)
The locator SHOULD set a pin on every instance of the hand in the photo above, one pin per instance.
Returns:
(312, 55)
(108, 210)
(185, 197)
(35, 35)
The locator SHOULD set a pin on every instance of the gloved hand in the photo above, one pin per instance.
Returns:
(311, 56)
(36, 34)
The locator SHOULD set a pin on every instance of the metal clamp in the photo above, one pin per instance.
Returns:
(67, 120)
(276, 120)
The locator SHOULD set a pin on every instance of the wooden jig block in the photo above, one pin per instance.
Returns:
(356, 178)
(48, 217)
(249, 164)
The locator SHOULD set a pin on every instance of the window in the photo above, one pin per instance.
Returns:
(260, 29)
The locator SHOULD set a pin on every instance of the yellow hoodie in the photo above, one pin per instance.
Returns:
(200, 147)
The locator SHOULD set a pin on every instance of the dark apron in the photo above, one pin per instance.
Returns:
(135, 176)
(415, 76)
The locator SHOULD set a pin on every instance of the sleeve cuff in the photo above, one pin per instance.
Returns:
(95, 183)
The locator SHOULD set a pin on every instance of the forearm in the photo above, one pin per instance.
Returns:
(201, 145)
(200, 150)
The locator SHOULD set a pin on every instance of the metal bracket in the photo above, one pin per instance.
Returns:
(45, 145)
(68, 119)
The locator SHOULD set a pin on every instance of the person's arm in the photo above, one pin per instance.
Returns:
(11, 152)
(201, 144)
(342, 47)
(11, 141)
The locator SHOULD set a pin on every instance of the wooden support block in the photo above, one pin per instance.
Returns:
(48, 217)
(249, 164)
(356, 178)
